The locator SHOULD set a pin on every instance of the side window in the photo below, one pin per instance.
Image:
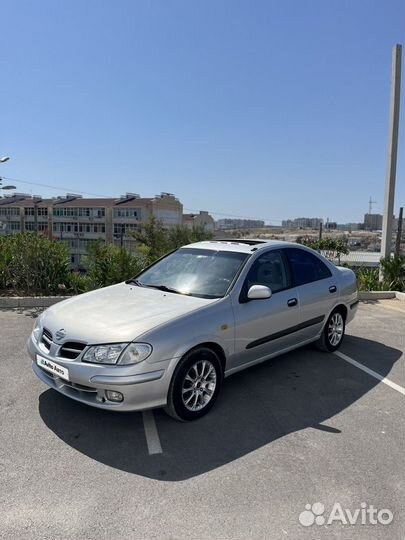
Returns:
(306, 267)
(269, 270)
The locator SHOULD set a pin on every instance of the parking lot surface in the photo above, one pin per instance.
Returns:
(304, 428)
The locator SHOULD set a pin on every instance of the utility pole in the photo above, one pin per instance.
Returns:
(50, 235)
(320, 230)
(392, 153)
(36, 217)
(399, 232)
(120, 236)
(37, 200)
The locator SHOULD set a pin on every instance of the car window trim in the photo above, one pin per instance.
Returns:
(243, 295)
(237, 275)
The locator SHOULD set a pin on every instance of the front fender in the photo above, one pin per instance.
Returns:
(212, 325)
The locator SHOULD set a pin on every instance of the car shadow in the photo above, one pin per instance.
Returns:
(295, 391)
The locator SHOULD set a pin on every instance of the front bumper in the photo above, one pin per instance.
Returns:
(143, 386)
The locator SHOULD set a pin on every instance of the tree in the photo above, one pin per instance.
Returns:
(152, 238)
(335, 246)
(155, 240)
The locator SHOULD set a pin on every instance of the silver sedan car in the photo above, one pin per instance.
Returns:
(169, 336)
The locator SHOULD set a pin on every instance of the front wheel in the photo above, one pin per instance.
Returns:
(195, 385)
(333, 333)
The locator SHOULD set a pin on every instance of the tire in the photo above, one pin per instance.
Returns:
(195, 385)
(333, 332)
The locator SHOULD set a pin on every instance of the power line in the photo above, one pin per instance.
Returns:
(57, 188)
(72, 190)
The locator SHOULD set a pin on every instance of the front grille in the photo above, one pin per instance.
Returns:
(46, 339)
(71, 349)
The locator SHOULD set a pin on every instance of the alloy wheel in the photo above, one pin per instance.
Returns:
(335, 329)
(199, 385)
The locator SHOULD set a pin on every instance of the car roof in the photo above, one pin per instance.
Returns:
(240, 245)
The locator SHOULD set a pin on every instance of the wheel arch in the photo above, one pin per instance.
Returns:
(171, 407)
(215, 347)
(342, 308)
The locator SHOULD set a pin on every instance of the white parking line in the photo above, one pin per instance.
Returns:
(371, 372)
(151, 433)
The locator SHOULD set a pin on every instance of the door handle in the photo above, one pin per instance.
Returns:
(292, 302)
(332, 288)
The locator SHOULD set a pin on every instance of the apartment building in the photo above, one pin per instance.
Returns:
(202, 219)
(229, 223)
(302, 223)
(79, 220)
(373, 222)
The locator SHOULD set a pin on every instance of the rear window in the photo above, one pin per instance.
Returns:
(306, 267)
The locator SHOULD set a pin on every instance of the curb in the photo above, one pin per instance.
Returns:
(30, 301)
(380, 295)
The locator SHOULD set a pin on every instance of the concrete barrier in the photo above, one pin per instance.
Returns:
(7, 302)
(381, 295)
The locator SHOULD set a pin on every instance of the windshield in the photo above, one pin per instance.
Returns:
(196, 272)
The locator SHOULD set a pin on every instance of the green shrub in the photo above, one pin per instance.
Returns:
(32, 262)
(107, 264)
(80, 283)
(393, 271)
(393, 275)
(368, 279)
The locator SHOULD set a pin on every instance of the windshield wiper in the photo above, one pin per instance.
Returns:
(133, 281)
(165, 289)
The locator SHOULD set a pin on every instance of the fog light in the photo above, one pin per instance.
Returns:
(112, 395)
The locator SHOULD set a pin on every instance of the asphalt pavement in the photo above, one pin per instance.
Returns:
(301, 429)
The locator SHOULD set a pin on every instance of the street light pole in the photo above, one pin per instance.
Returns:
(386, 240)
(3, 160)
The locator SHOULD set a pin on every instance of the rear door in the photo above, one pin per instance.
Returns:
(265, 326)
(317, 290)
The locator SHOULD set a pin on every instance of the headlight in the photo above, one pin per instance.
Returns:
(135, 353)
(37, 330)
(104, 354)
(118, 353)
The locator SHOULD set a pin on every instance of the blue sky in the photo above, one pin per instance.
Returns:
(269, 109)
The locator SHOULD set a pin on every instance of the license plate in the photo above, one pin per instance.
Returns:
(50, 366)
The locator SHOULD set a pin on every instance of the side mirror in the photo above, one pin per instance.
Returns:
(259, 292)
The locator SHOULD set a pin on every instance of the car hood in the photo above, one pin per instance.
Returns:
(118, 313)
